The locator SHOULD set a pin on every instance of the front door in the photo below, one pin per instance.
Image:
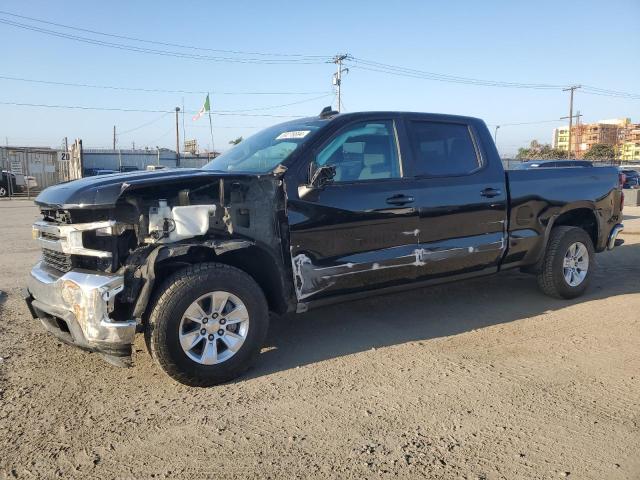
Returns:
(358, 231)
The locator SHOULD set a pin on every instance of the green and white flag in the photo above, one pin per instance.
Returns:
(205, 108)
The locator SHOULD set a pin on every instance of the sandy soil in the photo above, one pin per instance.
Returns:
(486, 379)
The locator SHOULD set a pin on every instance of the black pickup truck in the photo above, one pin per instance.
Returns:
(302, 214)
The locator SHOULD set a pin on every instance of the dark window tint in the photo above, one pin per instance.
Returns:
(442, 149)
(363, 151)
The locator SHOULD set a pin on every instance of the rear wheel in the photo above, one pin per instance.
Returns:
(568, 263)
(3, 191)
(208, 324)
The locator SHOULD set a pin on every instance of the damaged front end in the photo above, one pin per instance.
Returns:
(76, 307)
(107, 243)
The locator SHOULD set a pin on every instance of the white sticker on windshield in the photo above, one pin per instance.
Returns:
(294, 134)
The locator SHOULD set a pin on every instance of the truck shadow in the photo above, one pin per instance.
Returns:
(429, 313)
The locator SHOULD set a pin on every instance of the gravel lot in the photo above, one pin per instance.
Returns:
(485, 379)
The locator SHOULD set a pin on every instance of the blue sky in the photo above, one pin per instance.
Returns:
(582, 42)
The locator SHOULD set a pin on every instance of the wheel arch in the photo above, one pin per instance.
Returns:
(252, 259)
(581, 216)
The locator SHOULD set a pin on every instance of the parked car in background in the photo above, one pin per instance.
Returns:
(25, 182)
(128, 168)
(92, 172)
(8, 184)
(631, 178)
(31, 181)
(554, 164)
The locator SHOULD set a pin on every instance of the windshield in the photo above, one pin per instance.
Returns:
(263, 151)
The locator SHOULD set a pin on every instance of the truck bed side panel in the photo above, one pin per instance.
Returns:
(540, 196)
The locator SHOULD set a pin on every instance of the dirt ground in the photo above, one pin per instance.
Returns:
(485, 379)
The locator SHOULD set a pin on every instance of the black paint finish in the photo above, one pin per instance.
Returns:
(347, 238)
(348, 241)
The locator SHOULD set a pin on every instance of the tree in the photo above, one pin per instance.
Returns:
(236, 141)
(600, 151)
(538, 151)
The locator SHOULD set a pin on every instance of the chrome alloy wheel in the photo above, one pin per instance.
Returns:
(214, 327)
(575, 264)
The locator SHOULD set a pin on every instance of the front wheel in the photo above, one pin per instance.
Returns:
(208, 324)
(568, 263)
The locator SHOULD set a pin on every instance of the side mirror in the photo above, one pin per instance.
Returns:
(318, 178)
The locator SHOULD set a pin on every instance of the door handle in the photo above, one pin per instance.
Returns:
(400, 199)
(490, 192)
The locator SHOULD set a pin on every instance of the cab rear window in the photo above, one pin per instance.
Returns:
(442, 149)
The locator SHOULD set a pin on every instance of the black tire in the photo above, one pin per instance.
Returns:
(173, 299)
(551, 279)
(3, 191)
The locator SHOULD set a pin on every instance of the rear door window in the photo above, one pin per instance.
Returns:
(442, 149)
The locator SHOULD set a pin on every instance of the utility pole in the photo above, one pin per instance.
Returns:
(495, 137)
(65, 165)
(578, 130)
(184, 135)
(177, 137)
(571, 89)
(114, 137)
(337, 77)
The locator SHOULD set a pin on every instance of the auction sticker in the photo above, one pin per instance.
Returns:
(293, 134)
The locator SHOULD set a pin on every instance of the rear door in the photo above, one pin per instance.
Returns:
(357, 232)
(461, 196)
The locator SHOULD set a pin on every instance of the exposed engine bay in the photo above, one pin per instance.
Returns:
(152, 227)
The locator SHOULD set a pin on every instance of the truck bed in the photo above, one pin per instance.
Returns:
(540, 196)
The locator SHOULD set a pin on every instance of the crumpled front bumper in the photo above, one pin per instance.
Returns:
(75, 307)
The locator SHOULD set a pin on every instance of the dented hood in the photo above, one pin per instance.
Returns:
(103, 191)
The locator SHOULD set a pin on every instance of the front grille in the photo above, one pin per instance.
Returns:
(77, 246)
(60, 261)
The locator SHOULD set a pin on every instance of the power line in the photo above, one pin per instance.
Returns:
(229, 126)
(148, 90)
(440, 77)
(241, 112)
(414, 73)
(277, 106)
(137, 110)
(161, 136)
(556, 120)
(279, 58)
(155, 42)
(193, 56)
(609, 93)
(143, 125)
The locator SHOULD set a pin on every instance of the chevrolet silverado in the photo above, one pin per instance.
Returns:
(302, 214)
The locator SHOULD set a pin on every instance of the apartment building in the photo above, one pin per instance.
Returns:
(623, 135)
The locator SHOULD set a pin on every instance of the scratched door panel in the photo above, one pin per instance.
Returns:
(461, 199)
(460, 230)
(349, 238)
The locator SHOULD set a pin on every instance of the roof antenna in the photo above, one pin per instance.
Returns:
(328, 112)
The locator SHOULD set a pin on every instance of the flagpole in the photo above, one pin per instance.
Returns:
(213, 149)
